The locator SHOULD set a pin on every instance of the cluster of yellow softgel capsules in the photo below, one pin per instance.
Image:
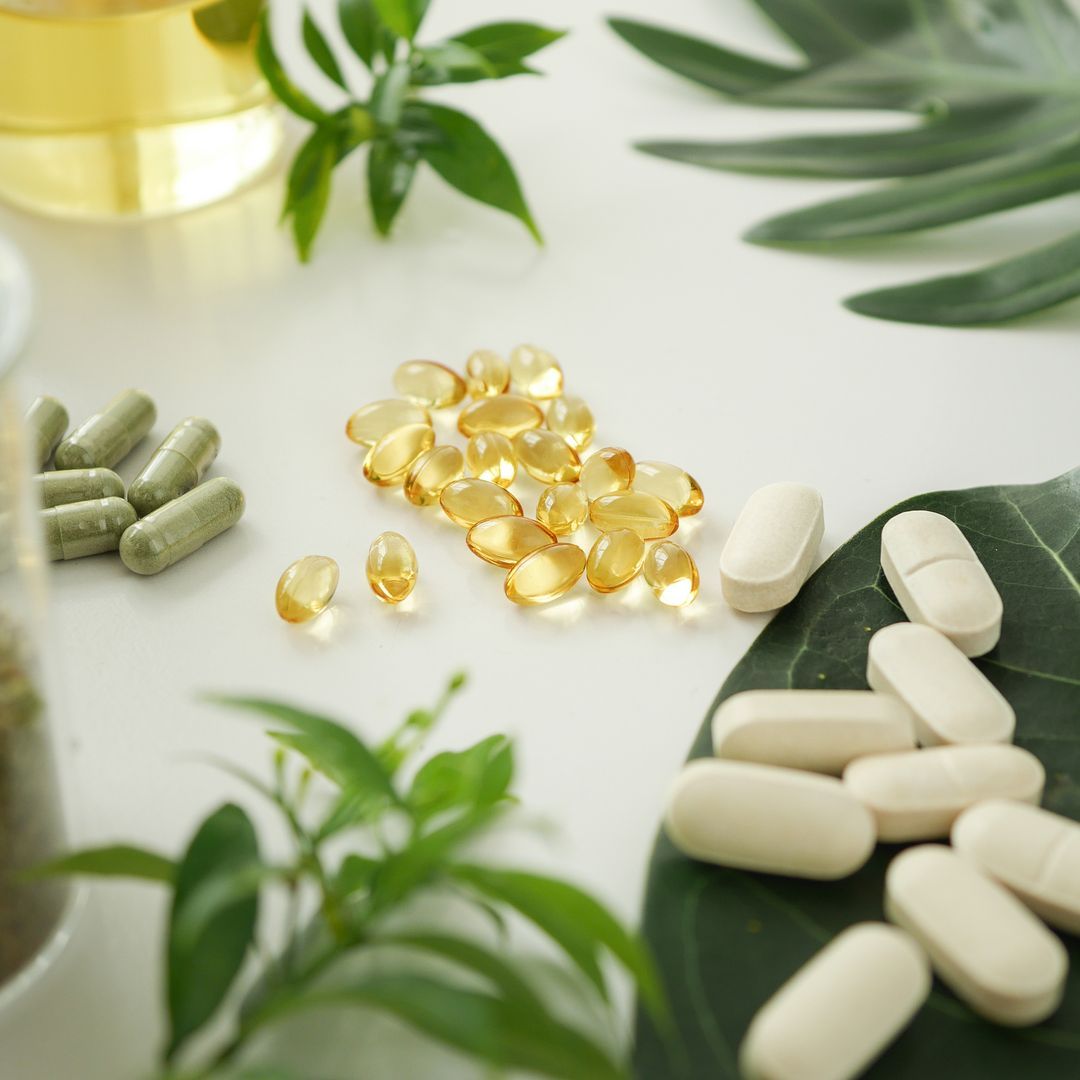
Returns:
(630, 503)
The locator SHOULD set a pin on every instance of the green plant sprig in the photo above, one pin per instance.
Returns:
(219, 884)
(400, 129)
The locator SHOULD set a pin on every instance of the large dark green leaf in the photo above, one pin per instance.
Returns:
(390, 172)
(725, 940)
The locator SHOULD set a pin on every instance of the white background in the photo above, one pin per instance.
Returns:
(736, 362)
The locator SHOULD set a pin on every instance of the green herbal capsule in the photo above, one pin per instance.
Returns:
(176, 530)
(47, 420)
(85, 528)
(177, 465)
(110, 435)
(77, 485)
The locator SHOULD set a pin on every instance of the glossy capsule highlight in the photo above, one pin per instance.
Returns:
(486, 374)
(563, 508)
(47, 421)
(535, 373)
(505, 541)
(615, 560)
(391, 567)
(547, 457)
(546, 574)
(610, 469)
(490, 456)
(468, 501)
(668, 482)
(176, 466)
(110, 435)
(371, 422)
(651, 518)
(75, 530)
(507, 414)
(431, 472)
(306, 588)
(390, 459)
(571, 418)
(432, 385)
(63, 486)
(672, 574)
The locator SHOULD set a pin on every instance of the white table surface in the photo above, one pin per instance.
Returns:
(735, 361)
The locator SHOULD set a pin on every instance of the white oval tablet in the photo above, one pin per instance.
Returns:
(952, 700)
(984, 944)
(819, 730)
(917, 794)
(778, 821)
(838, 1012)
(772, 547)
(939, 580)
(1031, 851)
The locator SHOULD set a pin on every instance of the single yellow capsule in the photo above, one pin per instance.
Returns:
(370, 423)
(431, 472)
(306, 588)
(490, 456)
(505, 541)
(651, 518)
(608, 470)
(486, 374)
(563, 508)
(547, 457)
(668, 482)
(535, 373)
(672, 573)
(429, 384)
(391, 567)
(507, 414)
(465, 502)
(615, 560)
(391, 457)
(546, 574)
(571, 418)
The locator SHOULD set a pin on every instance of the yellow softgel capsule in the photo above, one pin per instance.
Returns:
(608, 470)
(429, 384)
(490, 456)
(507, 414)
(392, 456)
(651, 518)
(306, 588)
(431, 472)
(615, 560)
(546, 574)
(571, 418)
(466, 502)
(486, 374)
(505, 541)
(563, 508)
(672, 573)
(535, 373)
(668, 482)
(547, 457)
(391, 567)
(371, 422)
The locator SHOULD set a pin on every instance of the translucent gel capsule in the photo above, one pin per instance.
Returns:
(486, 374)
(546, 574)
(615, 560)
(391, 567)
(547, 457)
(370, 423)
(668, 482)
(507, 414)
(306, 588)
(563, 508)
(431, 472)
(505, 541)
(608, 470)
(392, 456)
(490, 456)
(535, 373)
(465, 502)
(429, 384)
(651, 518)
(46, 420)
(672, 574)
(571, 418)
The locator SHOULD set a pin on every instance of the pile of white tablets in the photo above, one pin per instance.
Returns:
(805, 782)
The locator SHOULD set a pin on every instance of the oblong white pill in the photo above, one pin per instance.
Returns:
(984, 944)
(778, 821)
(917, 794)
(819, 730)
(839, 1011)
(939, 580)
(1032, 852)
(952, 700)
(772, 547)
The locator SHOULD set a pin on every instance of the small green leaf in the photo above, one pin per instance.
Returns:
(388, 94)
(505, 44)
(308, 189)
(403, 17)
(228, 21)
(390, 171)
(320, 51)
(285, 90)
(475, 778)
(356, 874)
(360, 27)
(451, 62)
(115, 860)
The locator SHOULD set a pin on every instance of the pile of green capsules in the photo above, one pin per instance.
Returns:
(166, 513)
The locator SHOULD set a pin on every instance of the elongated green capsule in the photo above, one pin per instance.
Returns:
(176, 466)
(85, 528)
(77, 485)
(110, 435)
(47, 420)
(176, 530)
